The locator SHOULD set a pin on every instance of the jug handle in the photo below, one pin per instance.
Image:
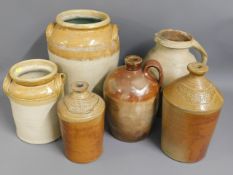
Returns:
(6, 83)
(115, 36)
(196, 45)
(153, 64)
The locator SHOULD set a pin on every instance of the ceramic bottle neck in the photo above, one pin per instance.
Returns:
(133, 63)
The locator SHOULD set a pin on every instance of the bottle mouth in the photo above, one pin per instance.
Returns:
(197, 68)
(33, 72)
(83, 19)
(133, 62)
(174, 38)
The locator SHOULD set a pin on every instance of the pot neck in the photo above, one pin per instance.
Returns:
(33, 72)
(133, 63)
(174, 39)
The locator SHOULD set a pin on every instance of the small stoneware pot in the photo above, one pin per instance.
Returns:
(131, 93)
(172, 52)
(85, 45)
(33, 88)
(191, 107)
(81, 115)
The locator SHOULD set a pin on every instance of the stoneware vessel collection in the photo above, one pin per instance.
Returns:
(85, 45)
(81, 115)
(83, 48)
(130, 93)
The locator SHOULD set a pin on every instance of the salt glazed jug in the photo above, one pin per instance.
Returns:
(85, 45)
(81, 115)
(130, 93)
(33, 88)
(191, 108)
(172, 52)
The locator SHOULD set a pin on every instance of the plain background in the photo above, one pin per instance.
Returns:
(22, 25)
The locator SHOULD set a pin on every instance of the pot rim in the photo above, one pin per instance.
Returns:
(61, 17)
(32, 65)
(185, 40)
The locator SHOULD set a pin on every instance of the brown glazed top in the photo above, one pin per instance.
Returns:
(194, 92)
(131, 82)
(80, 105)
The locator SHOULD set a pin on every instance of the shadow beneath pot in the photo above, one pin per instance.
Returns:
(38, 49)
(6, 119)
(155, 136)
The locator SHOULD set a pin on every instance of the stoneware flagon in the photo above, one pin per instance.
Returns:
(81, 115)
(33, 88)
(172, 52)
(85, 45)
(191, 107)
(130, 93)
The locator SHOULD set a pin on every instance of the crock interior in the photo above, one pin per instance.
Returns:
(83, 20)
(177, 36)
(32, 72)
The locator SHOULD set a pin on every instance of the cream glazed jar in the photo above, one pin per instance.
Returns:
(33, 88)
(85, 45)
(172, 51)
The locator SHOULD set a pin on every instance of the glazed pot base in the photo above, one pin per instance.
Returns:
(81, 161)
(38, 142)
(180, 160)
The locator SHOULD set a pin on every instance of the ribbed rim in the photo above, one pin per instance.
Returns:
(69, 14)
(33, 65)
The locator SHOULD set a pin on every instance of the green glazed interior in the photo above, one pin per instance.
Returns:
(83, 20)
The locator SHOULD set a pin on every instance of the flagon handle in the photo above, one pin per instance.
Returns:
(196, 45)
(156, 65)
(59, 82)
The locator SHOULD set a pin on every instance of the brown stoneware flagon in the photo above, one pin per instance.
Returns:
(81, 115)
(130, 93)
(191, 107)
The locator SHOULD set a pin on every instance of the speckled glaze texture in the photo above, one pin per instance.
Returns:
(81, 115)
(191, 107)
(172, 52)
(84, 52)
(130, 94)
(33, 88)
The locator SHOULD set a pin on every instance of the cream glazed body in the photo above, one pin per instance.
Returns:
(85, 45)
(33, 88)
(172, 52)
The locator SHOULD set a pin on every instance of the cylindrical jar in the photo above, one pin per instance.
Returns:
(130, 93)
(172, 52)
(85, 45)
(191, 107)
(33, 88)
(81, 115)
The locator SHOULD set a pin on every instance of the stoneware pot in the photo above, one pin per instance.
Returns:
(33, 88)
(85, 45)
(191, 107)
(81, 115)
(172, 52)
(130, 93)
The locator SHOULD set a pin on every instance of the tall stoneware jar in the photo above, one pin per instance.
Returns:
(85, 45)
(81, 115)
(191, 107)
(130, 93)
(33, 88)
(172, 52)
